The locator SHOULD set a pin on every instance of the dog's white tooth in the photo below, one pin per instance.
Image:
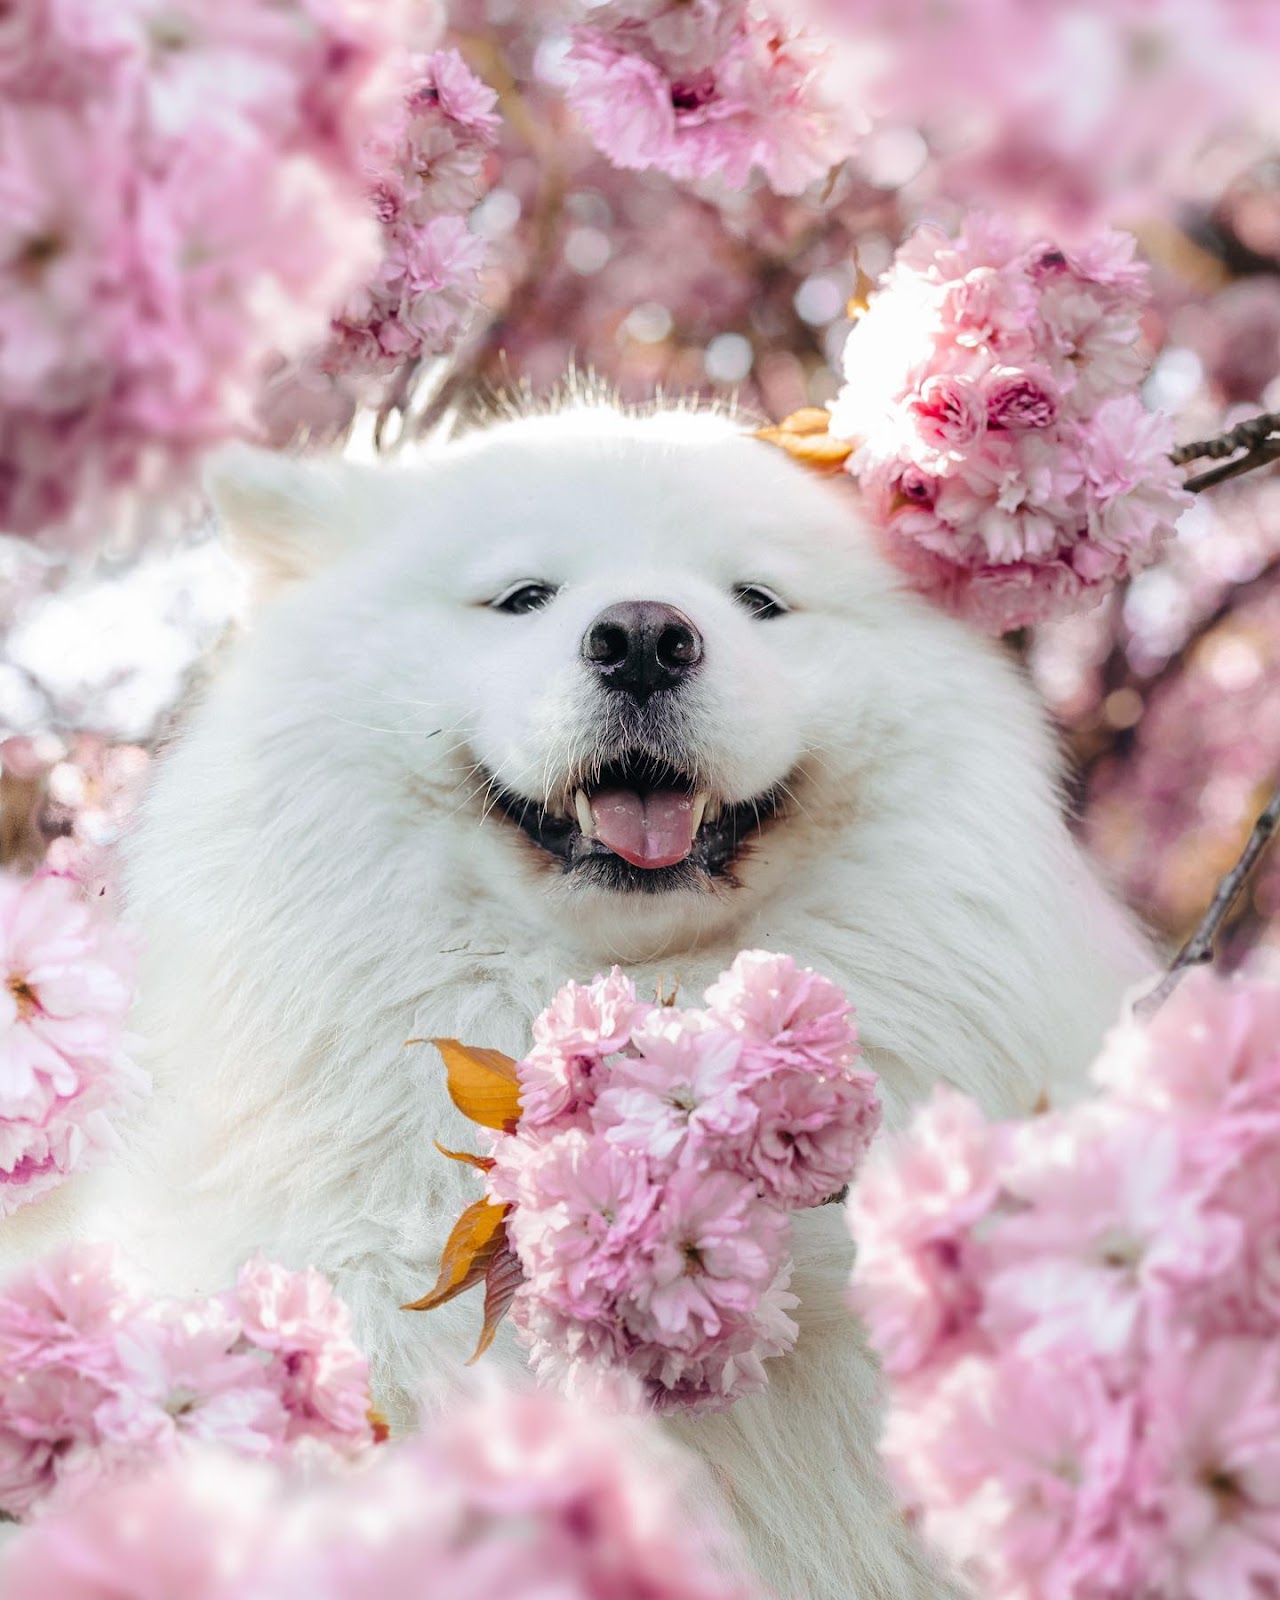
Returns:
(713, 810)
(585, 820)
(699, 809)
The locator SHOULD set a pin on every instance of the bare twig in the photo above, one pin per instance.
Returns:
(1253, 443)
(1262, 456)
(1247, 435)
(1199, 948)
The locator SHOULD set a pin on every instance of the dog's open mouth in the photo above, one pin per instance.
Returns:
(638, 823)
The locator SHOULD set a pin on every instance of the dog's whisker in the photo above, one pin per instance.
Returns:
(365, 727)
(799, 804)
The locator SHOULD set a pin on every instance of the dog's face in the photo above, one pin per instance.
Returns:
(634, 667)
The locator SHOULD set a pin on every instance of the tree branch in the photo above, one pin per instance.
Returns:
(1199, 948)
(1247, 435)
(1253, 443)
(1260, 457)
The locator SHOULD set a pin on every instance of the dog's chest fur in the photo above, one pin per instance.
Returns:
(295, 1117)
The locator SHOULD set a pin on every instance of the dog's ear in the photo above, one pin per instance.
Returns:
(287, 517)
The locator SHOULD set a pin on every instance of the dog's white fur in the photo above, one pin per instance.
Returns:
(318, 881)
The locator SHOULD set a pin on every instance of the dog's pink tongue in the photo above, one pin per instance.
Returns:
(652, 830)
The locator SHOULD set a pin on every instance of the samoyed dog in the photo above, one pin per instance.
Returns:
(579, 689)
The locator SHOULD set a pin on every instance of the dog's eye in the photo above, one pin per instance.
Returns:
(524, 596)
(762, 603)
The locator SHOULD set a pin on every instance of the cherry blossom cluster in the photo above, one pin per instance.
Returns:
(182, 199)
(510, 1498)
(721, 89)
(424, 171)
(66, 984)
(1080, 1317)
(651, 1175)
(104, 1381)
(1001, 445)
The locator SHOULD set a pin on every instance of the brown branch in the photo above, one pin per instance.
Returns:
(1253, 443)
(1262, 456)
(1247, 435)
(1199, 948)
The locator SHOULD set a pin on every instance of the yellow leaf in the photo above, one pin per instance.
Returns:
(803, 435)
(483, 1163)
(808, 420)
(860, 299)
(476, 1238)
(482, 1084)
(503, 1277)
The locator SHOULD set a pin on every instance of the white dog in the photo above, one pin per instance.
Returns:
(585, 688)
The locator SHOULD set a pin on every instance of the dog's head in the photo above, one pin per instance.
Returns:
(638, 667)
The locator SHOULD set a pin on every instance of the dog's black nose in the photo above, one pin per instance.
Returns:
(639, 646)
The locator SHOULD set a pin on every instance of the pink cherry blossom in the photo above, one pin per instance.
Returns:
(317, 1370)
(650, 1178)
(222, 222)
(67, 987)
(676, 1284)
(723, 90)
(1209, 1467)
(422, 172)
(685, 1086)
(51, 49)
(1212, 1049)
(591, 1204)
(188, 1532)
(594, 1018)
(65, 1309)
(801, 1016)
(911, 1212)
(1000, 443)
(808, 1132)
(1085, 1398)
(1019, 397)
(180, 1377)
(1021, 1478)
(583, 1024)
(713, 1248)
(103, 1380)
(1105, 1218)
(511, 1497)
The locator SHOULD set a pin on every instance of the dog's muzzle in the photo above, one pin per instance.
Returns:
(638, 823)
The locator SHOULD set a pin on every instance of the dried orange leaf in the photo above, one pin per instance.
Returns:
(482, 1084)
(504, 1277)
(477, 1236)
(808, 420)
(379, 1424)
(483, 1163)
(860, 299)
(819, 454)
(803, 435)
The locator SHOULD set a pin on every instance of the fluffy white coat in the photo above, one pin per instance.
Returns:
(319, 878)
